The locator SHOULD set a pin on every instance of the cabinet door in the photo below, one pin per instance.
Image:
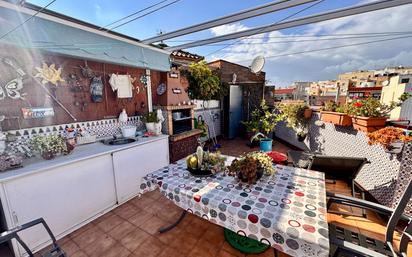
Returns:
(65, 197)
(131, 165)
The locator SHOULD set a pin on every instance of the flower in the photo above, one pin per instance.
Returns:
(358, 104)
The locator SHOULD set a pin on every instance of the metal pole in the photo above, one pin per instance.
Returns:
(246, 14)
(340, 13)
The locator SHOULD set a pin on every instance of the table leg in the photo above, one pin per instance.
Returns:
(276, 252)
(171, 226)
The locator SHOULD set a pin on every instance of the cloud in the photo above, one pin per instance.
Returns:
(226, 29)
(322, 65)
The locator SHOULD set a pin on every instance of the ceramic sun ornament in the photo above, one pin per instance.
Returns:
(49, 74)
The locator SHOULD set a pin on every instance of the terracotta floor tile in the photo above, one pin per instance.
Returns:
(79, 254)
(155, 194)
(133, 240)
(109, 223)
(82, 230)
(223, 253)
(103, 217)
(140, 218)
(116, 250)
(69, 247)
(88, 237)
(121, 230)
(197, 227)
(126, 211)
(151, 247)
(169, 236)
(228, 248)
(142, 202)
(171, 252)
(184, 243)
(203, 249)
(214, 235)
(100, 246)
(153, 225)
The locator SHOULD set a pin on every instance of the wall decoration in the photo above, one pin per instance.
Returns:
(13, 87)
(49, 74)
(173, 74)
(87, 72)
(96, 89)
(37, 112)
(176, 90)
(78, 90)
(161, 89)
(143, 80)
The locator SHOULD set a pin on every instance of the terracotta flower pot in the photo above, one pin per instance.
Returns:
(48, 155)
(368, 124)
(308, 113)
(336, 118)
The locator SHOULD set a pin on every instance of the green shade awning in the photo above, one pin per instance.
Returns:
(78, 41)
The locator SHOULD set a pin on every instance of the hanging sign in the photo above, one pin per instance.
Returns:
(37, 112)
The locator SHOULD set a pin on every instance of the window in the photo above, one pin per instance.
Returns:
(405, 80)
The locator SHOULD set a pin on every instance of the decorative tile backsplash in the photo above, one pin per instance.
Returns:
(100, 128)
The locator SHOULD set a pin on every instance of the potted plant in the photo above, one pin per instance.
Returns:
(251, 167)
(150, 119)
(335, 114)
(391, 138)
(49, 146)
(369, 114)
(294, 115)
(262, 122)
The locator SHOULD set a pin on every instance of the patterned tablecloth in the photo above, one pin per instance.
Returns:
(286, 210)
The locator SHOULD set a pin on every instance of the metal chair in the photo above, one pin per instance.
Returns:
(334, 167)
(348, 243)
(54, 251)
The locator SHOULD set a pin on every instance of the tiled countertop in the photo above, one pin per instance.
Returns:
(82, 152)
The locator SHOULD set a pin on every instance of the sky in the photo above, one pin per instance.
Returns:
(283, 70)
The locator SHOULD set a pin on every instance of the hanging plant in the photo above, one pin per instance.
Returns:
(204, 84)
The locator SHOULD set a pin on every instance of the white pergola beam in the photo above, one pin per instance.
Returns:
(340, 13)
(246, 14)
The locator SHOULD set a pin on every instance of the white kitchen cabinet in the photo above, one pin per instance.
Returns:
(132, 164)
(64, 196)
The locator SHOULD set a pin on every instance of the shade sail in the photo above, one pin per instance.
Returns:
(56, 36)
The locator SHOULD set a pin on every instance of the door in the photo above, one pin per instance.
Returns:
(235, 110)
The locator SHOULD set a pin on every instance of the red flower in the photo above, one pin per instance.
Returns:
(358, 104)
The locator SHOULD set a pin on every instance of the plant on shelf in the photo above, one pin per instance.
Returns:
(49, 146)
(251, 167)
(336, 114)
(150, 119)
(391, 138)
(296, 117)
(204, 83)
(369, 114)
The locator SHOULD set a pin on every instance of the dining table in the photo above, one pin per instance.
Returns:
(285, 210)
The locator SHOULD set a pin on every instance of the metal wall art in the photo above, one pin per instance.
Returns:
(87, 72)
(161, 89)
(49, 74)
(13, 87)
(78, 90)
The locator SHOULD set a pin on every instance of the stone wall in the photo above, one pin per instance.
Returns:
(387, 175)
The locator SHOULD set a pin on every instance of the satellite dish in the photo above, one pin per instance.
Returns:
(385, 83)
(257, 64)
